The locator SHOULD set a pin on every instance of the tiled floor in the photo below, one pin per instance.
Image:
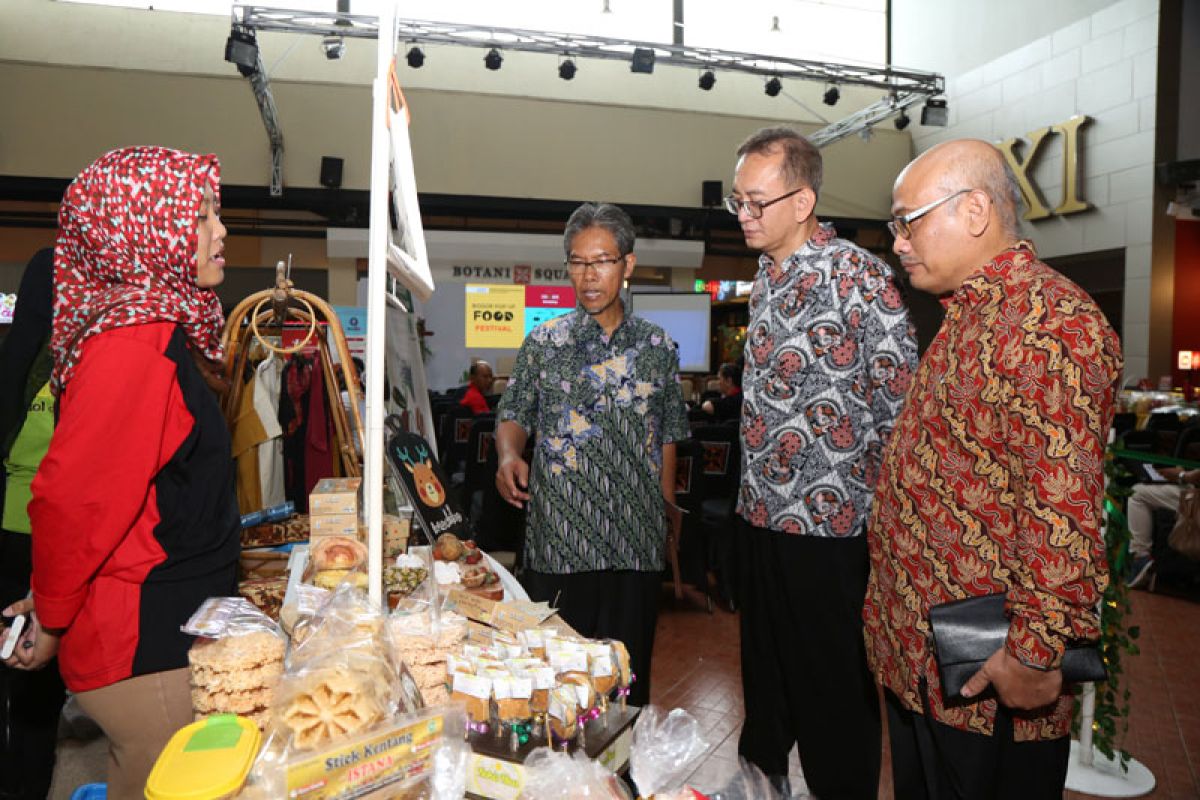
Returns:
(696, 668)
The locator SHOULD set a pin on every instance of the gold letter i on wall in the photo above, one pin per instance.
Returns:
(1037, 208)
(1071, 201)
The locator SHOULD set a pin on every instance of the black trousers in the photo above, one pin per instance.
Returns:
(804, 669)
(932, 761)
(30, 702)
(620, 605)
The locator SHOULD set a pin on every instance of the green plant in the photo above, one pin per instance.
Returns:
(1111, 716)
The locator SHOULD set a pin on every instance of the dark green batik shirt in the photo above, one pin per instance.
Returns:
(602, 407)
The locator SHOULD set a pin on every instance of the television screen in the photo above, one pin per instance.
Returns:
(686, 318)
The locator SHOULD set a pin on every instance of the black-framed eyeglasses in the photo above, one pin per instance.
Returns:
(577, 265)
(901, 227)
(754, 208)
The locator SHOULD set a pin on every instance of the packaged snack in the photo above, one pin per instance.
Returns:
(475, 692)
(337, 552)
(343, 677)
(236, 668)
(551, 775)
(562, 712)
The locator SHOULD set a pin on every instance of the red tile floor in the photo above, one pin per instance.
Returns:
(696, 668)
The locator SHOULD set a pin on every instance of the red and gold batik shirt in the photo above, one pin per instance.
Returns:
(993, 482)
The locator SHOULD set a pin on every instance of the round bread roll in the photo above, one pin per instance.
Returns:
(338, 552)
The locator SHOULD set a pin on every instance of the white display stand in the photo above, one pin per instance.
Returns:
(402, 251)
(1091, 772)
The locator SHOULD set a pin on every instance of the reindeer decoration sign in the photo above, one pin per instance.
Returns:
(423, 481)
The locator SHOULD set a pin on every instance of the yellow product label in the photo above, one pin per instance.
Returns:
(368, 763)
(494, 778)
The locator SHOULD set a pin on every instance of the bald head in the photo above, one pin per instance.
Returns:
(971, 164)
(961, 203)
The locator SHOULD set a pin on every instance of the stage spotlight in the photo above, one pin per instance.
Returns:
(415, 57)
(935, 112)
(241, 49)
(773, 87)
(334, 47)
(707, 80)
(493, 59)
(832, 95)
(567, 70)
(902, 120)
(642, 61)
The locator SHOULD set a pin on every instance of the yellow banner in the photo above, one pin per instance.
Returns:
(495, 315)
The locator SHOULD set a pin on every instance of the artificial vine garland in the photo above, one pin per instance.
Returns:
(1111, 720)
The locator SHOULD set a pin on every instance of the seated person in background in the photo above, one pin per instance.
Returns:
(1145, 500)
(480, 385)
(729, 404)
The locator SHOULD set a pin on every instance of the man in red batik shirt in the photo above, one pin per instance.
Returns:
(992, 482)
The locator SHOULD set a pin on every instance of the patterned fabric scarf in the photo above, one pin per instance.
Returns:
(126, 252)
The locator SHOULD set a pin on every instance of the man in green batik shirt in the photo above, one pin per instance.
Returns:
(599, 388)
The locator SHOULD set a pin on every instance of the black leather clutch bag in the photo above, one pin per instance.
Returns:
(967, 632)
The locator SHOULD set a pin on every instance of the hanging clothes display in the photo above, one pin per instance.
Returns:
(248, 433)
(270, 452)
(289, 426)
(318, 458)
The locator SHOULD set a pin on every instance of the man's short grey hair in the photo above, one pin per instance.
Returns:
(802, 163)
(995, 178)
(601, 215)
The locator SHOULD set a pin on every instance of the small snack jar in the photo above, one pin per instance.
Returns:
(206, 760)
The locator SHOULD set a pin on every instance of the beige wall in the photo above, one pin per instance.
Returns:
(463, 143)
(79, 80)
(954, 36)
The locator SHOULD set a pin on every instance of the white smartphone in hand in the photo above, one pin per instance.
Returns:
(15, 628)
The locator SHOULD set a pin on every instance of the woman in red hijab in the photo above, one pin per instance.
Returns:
(133, 514)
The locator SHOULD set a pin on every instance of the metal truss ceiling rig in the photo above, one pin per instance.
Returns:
(902, 88)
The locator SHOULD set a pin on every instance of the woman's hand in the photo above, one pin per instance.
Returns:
(37, 645)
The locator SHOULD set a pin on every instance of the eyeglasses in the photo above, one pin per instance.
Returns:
(901, 227)
(754, 208)
(577, 265)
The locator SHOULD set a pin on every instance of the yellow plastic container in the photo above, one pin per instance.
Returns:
(206, 760)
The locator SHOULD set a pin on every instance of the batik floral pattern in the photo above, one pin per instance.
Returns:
(601, 407)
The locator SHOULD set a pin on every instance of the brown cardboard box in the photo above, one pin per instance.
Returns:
(334, 496)
(333, 525)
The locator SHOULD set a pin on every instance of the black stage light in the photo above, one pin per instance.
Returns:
(566, 70)
(902, 121)
(241, 49)
(707, 80)
(416, 58)
(493, 59)
(773, 87)
(334, 47)
(935, 112)
(642, 61)
(832, 95)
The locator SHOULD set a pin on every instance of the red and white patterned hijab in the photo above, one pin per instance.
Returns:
(126, 252)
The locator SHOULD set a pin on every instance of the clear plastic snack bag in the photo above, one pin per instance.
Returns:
(554, 775)
(236, 661)
(344, 677)
(664, 752)
(747, 783)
